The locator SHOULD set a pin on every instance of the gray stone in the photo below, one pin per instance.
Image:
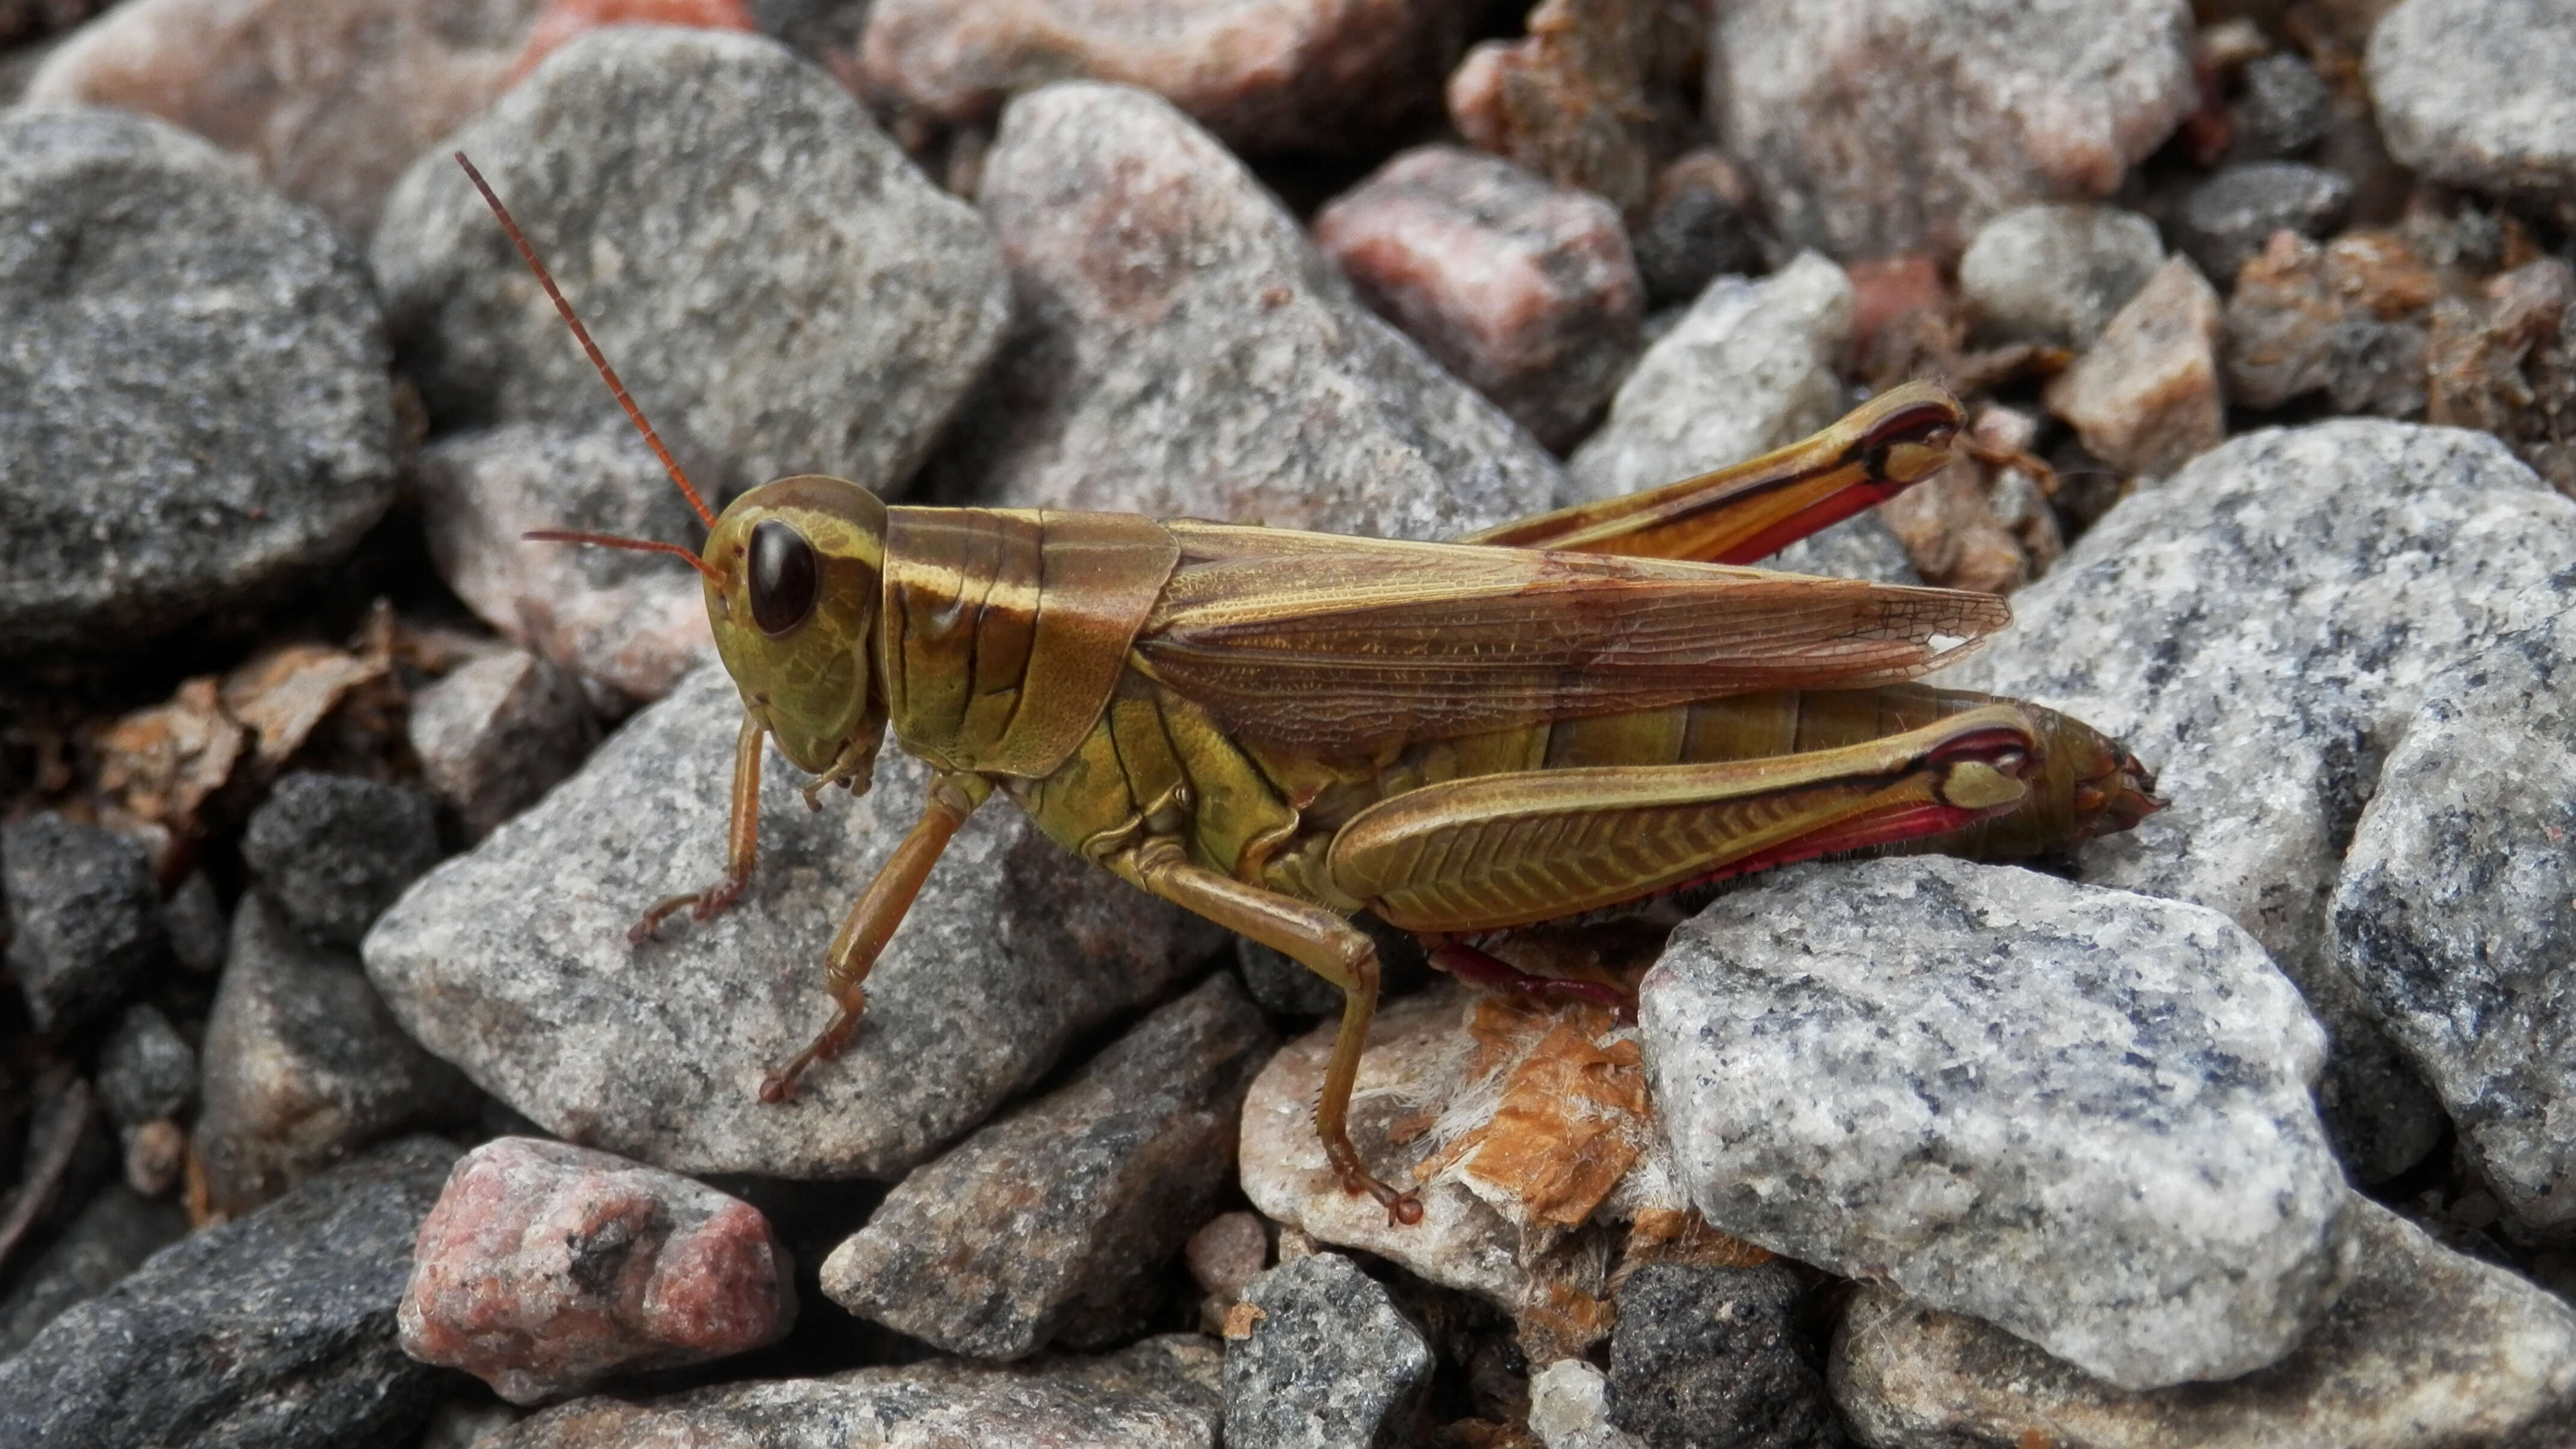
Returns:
(1330, 1363)
(780, 289)
(1523, 287)
(497, 733)
(1750, 368)
(1157, 1395)
(2424, 1348)
(1699, 225)
(1708, 1357)
(1182, 349)
(1570, 1409)
(2081, 1114)
(1862, 547)
(2285, 107)
(512, 961)
(303, 1065)
(1266, 75)
(1226, 1252)
(2456, 915)
(2474, 93)
(2225, 220)
(332, 851)
(2006, 102)
(1057, 1220)
(194, 407)
(146, 1069)
(84, 916)
(633, 622)
(274, 1331)
(195, 921)
(2058, 273)
(110, 1238)
(2258, 630)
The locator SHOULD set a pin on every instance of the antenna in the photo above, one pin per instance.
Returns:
(580, 333)
(610, 540)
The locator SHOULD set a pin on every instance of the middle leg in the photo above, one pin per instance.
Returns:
(1324, 943)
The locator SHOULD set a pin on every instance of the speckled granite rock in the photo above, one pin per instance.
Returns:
(2058, 272)
(2004, 102)
(497, 733)
(1329, 1363)
(2425, 1347)
(635, 623)
(2081, 1114)
(274, 1331)
(1054, 1221)
(1160, 1394)
(512, 961)
(2258, 629)
(2456, 916)
(332, 851)
(1749, 368)
(2474, 93)
(140, 273)
(779, 288)
(303, 1065)
(1182, 349)
(1706, 1354)
(84, 917)
(2225, 221)
(109, 1239)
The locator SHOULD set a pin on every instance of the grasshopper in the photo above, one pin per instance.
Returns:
(1279, 730)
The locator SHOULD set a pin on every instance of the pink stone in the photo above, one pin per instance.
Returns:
(330, 101)
(1524, 289)
(1585, 98)
(1266, 75)
(545, 1268)
(2145, 398)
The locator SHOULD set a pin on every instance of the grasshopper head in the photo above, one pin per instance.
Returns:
(791, 571)
(792, 592)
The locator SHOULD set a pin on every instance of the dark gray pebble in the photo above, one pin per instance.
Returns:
(275, 1331)
(147, 1069)
(85, 913)
(333, 851)
(1331, 1363)
(194, 401)
(115, 1233)
(2226, 219)
(1707, 1356)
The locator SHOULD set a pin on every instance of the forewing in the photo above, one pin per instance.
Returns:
(1332, 645)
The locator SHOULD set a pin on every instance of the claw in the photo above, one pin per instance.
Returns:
(1403, 1209)
(703, 905)
(780, 1086)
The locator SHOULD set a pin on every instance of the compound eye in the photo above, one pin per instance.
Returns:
(782, 577)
